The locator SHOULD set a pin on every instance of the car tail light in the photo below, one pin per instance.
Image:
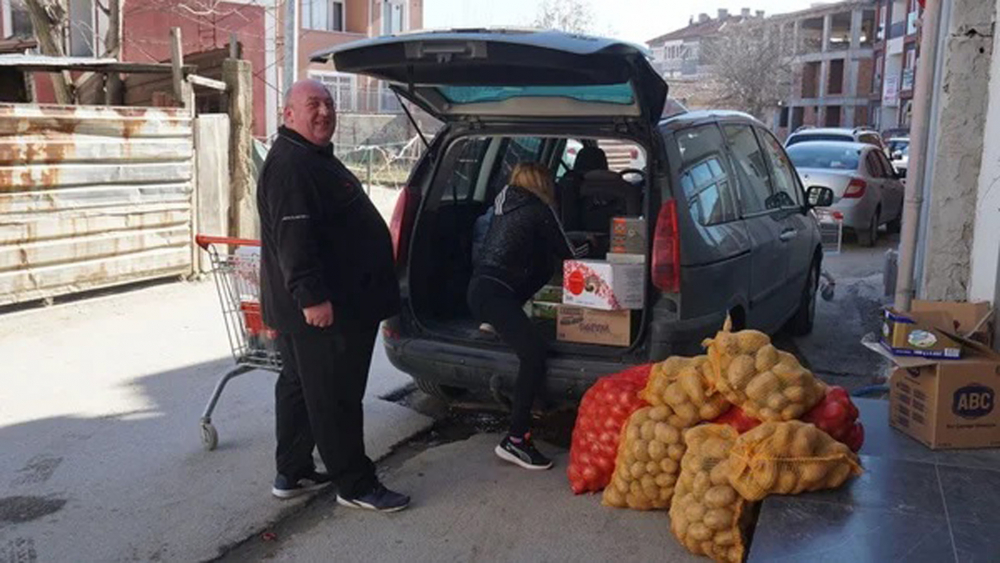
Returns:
(402, 223)
(634, 153)
(666, 267)
(856, 188)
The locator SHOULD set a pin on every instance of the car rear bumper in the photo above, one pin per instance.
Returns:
(478, 368)
(857, 212)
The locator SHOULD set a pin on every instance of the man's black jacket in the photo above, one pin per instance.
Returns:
(321, 239)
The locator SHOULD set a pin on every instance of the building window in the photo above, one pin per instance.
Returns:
(323, 15)
(836, 77)
(832, 116)
(783, 118)
(877, 75)
(342, 89)
(16, 21)
(883, 12)
(909, 68)
(840, 32)
(867, 28)
(393, 21)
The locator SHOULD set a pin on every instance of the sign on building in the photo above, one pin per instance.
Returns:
(890, 91)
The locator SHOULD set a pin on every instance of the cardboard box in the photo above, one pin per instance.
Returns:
(602, 285)
(927, 329)
(971, 320)
(628, 235)
(592, 326)
(617, 258)
(543, 310)
(948, 404)
(549, 294)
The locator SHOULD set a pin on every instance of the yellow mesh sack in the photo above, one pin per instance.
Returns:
(788, 458)
(766, 383)
(685, 385)
(707, 515)
(649, 456)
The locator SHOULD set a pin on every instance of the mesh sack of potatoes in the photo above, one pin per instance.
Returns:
(788, 458)
(649, 456)
(766, 383)
(707, 515)
(685, 385)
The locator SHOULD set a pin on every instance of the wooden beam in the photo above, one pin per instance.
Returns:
(177, 62)
(131, 68)
(206, 82)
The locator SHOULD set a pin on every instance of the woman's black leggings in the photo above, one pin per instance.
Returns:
(495, 303)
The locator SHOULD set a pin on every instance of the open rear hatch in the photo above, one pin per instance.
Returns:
(508, 78)
(503, 74)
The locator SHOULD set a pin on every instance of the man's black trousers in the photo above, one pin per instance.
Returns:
(318, 404)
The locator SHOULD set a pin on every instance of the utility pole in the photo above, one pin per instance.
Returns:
(291, 43)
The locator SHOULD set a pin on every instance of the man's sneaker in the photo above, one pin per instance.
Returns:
(522, 453)
(285, 488)
(380, 499)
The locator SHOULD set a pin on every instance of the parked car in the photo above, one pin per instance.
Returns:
(729, 228)
(899, 153)
(865, 186)
(856, 135)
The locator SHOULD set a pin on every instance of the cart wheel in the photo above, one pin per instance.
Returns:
(209, 436)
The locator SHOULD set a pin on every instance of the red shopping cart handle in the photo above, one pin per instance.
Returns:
(205, 241)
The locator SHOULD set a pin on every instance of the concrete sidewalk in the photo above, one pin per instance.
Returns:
(102, 459)
(470, 506)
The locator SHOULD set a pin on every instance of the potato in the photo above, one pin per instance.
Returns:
(648, 462)
(699, 531)
(718, 519)
(752, 340)
(658, 414)
(720, 496)
(657, 451)
(666, 433)
(646, 431)
(767, 357)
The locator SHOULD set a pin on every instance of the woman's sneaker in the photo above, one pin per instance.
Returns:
(522, 453)
(380, 499)
(286, 488)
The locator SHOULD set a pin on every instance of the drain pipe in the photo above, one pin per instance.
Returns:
(919, 135)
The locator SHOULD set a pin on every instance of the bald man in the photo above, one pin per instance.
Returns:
(327, 281)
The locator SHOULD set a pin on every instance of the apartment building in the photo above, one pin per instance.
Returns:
(834, 84)
(680, 53)
(897, 47)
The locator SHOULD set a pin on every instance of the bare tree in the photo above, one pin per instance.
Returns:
(749, 66)
(574, 16)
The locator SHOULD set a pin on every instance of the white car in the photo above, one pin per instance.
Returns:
(856, 135)
(866, 188)
(899, 152)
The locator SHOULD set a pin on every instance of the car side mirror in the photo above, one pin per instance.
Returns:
(819, 196)
(896, 155)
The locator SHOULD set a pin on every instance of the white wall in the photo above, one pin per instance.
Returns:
(986, 235)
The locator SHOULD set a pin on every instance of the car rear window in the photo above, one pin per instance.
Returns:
(821, 156)
(803, 137)
(602, 93)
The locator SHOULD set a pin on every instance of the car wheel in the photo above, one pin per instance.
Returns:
(802, 323)
(433, 389)
(869, 236)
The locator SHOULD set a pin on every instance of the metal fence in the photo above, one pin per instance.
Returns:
(382, 165)
(91, 197)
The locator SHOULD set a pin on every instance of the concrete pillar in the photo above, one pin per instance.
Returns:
(852, 69)
(824, 79)
(243, 205)
(857, 16)
(827, 28)
(985, 267)
(796, 36)
(958, 150)
(211, 143)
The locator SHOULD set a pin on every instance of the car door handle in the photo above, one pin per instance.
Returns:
(788, 235)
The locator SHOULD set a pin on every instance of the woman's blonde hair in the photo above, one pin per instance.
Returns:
(535, 178)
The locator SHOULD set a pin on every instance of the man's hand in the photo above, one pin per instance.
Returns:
(319, 316)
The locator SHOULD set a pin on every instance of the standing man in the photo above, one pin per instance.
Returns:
(327, 281)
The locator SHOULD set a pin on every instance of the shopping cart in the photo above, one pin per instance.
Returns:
(236, 268)
(831, 229)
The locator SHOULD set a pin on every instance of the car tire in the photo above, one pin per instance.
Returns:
(869, 236)
(805, 317)
(433, 389)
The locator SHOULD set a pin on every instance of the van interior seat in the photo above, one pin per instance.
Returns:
(604, 195)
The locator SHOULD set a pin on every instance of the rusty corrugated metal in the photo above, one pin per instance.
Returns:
(92, 197)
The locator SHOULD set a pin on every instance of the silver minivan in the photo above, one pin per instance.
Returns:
(729, 225)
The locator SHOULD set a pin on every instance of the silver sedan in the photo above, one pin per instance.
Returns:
(866, 188)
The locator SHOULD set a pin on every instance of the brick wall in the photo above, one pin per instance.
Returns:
(866, 69)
